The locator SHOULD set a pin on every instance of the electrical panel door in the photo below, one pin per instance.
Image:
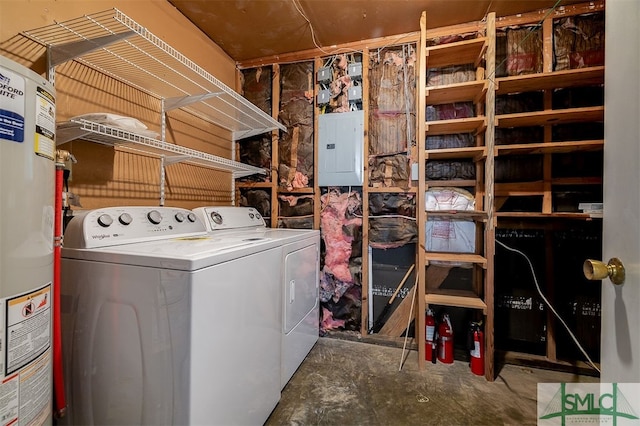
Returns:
(340, 154)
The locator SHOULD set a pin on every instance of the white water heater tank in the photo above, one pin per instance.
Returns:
(27, 184)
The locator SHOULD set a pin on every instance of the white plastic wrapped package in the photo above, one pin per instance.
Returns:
(448, 199)
(451, 235)
(129, 124)
(445, 234)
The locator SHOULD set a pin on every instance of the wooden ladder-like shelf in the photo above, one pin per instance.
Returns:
(480, 52)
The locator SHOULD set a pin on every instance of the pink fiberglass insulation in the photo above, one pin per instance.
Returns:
(338, 213)
(328, 322)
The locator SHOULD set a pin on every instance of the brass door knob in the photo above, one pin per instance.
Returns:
(596, 270)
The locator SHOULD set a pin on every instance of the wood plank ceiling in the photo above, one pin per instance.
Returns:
(250, 29)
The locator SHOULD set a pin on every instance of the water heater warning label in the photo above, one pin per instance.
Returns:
(12, 107)
(45, 113)
(25, 364)
(28, 328)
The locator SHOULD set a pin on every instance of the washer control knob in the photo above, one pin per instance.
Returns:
(250, 215)
(191, 217)
(154, 217)
(105, 220)
(180, 217)
(216, 217)
(257, 215)
(125, 219)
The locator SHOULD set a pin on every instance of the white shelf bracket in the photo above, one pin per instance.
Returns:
(182, 101)
(162, 180)
(175, 159)
(62, 53)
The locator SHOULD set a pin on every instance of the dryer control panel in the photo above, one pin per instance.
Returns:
(226, 217)
(123, 225)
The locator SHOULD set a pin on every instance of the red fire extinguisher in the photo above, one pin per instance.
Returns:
(445, 340)
(430, 343)
(476, 348)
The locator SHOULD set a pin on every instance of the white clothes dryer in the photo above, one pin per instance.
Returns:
(165, 324)
(300, 276)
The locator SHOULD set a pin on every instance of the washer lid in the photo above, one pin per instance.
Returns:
(165, 237)
(192, 252)
(187, 253)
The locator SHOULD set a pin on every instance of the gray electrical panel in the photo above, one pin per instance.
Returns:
(341, 146)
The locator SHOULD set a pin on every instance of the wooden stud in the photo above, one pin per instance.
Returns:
(489, 237)
(421, 135)
(316, 189)
(365, 195)
(275, 139)
(547, 198)
(547, 55)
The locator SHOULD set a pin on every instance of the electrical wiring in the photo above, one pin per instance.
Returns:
(393, 42)
(340, 49)
(313, 33)
(546, 301)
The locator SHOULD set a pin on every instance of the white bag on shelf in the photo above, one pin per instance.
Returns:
(446, 234)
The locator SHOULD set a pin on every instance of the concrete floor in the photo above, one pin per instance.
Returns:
(351, 383)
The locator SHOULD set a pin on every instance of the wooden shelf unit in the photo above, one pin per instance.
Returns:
(473, 125)
(480, 52)
(579, 77)
(456, 183)
(549, 81)
(456, 298)
(547, 219)
(476, 153)
(432, 256)
(459, 214)
(458, 53)
(541, 118)
(557, 215)
(457, 92)
(549, 147)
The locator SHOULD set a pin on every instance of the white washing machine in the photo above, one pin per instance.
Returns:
(300, 276)
(165, 324)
